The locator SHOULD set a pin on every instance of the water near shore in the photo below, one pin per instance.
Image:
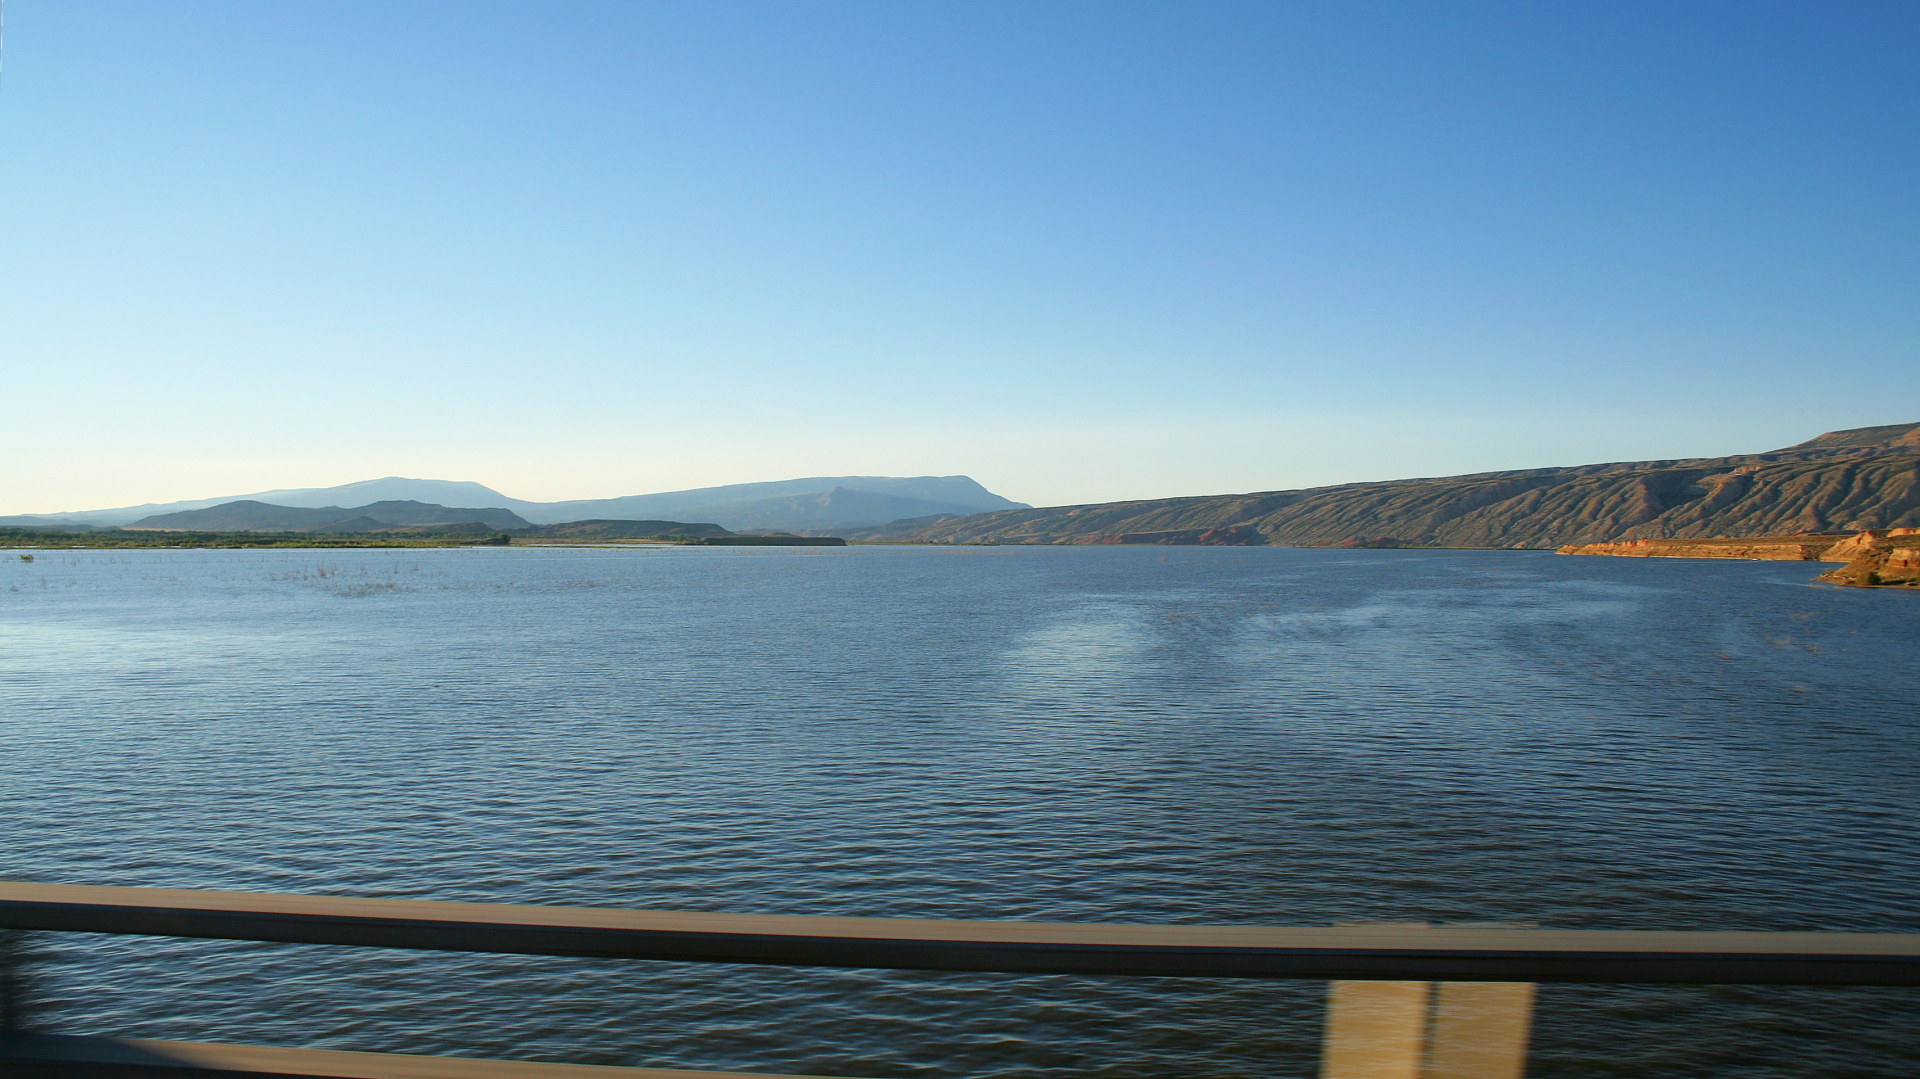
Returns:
(1246, 735)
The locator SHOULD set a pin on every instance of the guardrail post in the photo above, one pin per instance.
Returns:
(1375, 1030)
(1408, 1030)
(1480, 1030)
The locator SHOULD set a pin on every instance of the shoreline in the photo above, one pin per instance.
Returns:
(1873, 558)
(19, 539)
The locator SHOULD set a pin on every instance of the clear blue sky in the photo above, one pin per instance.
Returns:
(1079, 251)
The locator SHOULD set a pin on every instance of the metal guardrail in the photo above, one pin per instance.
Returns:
(1387, 1019)
(1439, 953)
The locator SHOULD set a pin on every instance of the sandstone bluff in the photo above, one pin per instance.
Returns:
(1873, 558)
(1843, 481)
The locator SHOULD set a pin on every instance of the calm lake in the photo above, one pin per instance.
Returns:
(1204, 735)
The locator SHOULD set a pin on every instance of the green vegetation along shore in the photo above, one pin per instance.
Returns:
(116, 538)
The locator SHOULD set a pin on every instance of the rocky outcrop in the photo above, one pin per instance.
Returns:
(1844, 481)
(1854, 546)
(1889, 561)
(1873, 558)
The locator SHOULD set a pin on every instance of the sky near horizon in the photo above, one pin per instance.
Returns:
(1078, 251)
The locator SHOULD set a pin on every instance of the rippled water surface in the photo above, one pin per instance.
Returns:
(1250, 735)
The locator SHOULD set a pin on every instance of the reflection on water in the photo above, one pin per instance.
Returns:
(1186, 735)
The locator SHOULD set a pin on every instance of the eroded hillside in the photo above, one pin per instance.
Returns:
(1839, 482)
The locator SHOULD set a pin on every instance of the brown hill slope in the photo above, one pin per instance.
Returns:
(1841, 481)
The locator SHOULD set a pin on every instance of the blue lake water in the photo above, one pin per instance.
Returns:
(1238, 735)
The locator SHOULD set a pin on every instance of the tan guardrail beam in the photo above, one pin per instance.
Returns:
(1405, 953)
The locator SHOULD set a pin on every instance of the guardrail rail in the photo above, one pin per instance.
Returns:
(1423, 1002)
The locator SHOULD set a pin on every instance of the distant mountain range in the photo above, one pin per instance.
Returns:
(1867, 477)
(816, 505)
